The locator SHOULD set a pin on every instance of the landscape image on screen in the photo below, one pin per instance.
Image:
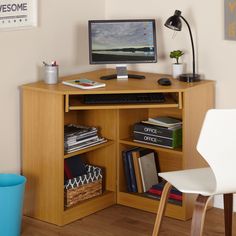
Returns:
(122, 41)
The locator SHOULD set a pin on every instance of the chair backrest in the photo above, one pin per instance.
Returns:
(217, 145)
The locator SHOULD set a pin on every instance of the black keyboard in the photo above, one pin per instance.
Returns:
(124, 98)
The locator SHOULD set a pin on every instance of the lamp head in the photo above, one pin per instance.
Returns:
(174, 22)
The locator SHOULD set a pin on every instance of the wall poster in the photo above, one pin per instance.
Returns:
(230, 19)
(16, 14)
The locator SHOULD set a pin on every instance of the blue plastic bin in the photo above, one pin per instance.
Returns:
(12, 188)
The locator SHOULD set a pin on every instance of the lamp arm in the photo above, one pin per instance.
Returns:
(191, 37)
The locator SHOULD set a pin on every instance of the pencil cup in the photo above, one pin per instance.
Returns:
(51, 74)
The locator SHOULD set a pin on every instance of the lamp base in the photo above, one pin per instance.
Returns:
(189, 78)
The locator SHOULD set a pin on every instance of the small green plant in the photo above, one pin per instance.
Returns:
(176, 54)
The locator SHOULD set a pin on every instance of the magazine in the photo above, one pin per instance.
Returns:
(84, 83)
(164, 121)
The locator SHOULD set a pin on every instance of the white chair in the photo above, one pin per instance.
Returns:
(217, 145)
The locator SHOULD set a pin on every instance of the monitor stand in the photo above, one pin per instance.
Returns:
(121, 74)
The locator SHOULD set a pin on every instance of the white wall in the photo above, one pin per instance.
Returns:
(215, 56)
(61, 35)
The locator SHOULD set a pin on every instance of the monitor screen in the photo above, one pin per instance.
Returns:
(122, 41)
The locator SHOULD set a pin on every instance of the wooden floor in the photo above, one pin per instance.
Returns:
(123, 221)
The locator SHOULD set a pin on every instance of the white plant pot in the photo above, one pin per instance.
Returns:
(177, 70)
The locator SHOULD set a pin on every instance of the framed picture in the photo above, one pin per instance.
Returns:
(230, 19)
(17, 14)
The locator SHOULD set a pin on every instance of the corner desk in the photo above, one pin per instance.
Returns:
(47, 108)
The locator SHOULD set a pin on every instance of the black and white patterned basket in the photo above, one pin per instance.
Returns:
(83, 187)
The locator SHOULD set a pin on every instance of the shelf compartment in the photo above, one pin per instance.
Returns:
(85, 150)
(151, 205)
(87, 207)
(168, 161)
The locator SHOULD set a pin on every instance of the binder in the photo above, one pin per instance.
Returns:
(157, 140)
(156, 130)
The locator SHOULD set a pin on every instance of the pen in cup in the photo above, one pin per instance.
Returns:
(53, 63)
(45, 63)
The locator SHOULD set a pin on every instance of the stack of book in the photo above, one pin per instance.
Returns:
(175, 196)
(77, 137)
(161, 131)
(141, 168)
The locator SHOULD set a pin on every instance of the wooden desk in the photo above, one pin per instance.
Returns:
(47, 108)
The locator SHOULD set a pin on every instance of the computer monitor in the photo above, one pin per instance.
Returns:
(122, 42)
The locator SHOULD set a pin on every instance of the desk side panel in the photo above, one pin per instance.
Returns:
(42, 152)
(197, 102)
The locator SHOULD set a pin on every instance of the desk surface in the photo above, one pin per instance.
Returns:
(116, 86)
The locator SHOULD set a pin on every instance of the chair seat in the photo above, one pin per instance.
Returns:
(199, 181)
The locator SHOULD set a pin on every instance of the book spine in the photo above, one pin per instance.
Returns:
(126, 168)
(165, 142)
(142, 175)
(153, 130)
(171, 195)
(131, 171)
(135, 156)
(170, 200)
(177, 138)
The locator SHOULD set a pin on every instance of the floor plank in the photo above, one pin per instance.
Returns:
(123, 221)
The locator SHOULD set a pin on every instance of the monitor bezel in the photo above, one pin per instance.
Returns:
(90, 22)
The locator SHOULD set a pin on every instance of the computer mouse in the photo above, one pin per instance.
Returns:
(164, 81)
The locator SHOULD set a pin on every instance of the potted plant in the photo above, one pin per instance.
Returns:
(177, 68)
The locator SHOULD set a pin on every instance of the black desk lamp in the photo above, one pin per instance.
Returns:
(175, 23)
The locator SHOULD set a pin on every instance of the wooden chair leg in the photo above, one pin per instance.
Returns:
(199, 215)
(161, 208)
(228, 213)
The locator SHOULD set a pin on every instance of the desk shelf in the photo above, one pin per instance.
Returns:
(75, 102)
(150, 205)
(89, 149)
(130, 142)
(88, 207)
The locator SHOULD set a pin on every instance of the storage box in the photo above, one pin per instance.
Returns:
(83, 187)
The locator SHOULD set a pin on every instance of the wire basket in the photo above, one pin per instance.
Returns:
(83, 187)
